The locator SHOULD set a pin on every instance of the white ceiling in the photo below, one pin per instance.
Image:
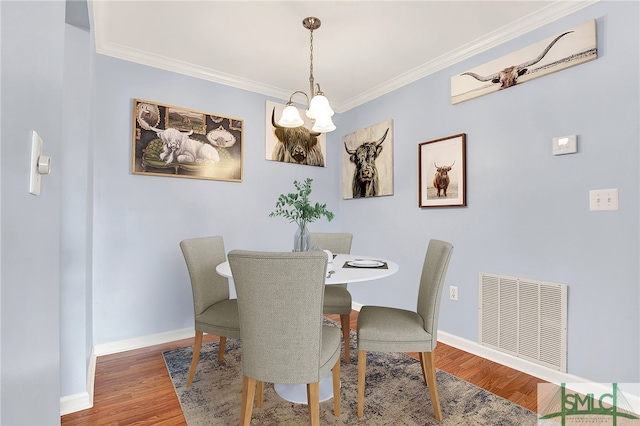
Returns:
(363, 49)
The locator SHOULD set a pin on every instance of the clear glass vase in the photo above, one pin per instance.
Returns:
(301, 239)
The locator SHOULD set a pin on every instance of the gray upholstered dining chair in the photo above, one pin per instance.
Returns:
(386, 329)
(283, 340)
(214, 312)
(337, 299)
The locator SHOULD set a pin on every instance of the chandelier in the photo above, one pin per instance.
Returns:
(318, 109)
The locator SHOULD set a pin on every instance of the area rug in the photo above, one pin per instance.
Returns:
(395, 394)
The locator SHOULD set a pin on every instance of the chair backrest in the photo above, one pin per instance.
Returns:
(202, 255)
(280, 298)
(434, 269)
(335, 242)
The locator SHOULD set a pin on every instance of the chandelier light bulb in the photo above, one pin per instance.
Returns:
(323, 124)
(319, 107)
(290, 117)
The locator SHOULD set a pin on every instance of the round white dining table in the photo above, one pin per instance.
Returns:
(344, 268)
(365, 269)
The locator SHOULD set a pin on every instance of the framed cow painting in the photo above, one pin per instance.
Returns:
(442, 172)
(174, 141)
(367, 162)
(297, 145)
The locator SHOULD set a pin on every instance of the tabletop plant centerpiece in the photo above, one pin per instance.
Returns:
(296, 207)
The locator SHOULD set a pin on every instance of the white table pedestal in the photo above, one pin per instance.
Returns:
(298, 393)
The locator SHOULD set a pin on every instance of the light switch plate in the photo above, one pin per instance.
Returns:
(565, 145)
(603, 199)
(36, 152)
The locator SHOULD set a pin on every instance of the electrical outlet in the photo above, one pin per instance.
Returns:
(453, 292)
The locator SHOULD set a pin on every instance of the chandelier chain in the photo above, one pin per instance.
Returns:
(311, 81)
(318, 109)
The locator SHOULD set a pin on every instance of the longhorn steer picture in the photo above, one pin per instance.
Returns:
(296, 145)
(569, 48)
(365, 176)
(441, 180)
(509, 76)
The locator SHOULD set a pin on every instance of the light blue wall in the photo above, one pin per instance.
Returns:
(528, 212)
(76, 331)
(140, 282)
(32, 36)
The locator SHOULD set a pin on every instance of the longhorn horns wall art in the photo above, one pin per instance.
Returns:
(564, 50)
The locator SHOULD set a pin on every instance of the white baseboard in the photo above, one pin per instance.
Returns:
(576, 383)
(516, 363)
(84, 400)
(77, 402)
(142, 342)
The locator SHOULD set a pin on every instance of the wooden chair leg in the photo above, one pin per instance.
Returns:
(260, 394)
(313, 399)
(197, 342)
(423, 366)
(223, 344)
(430, 373)
(362, 365)
(346, 337)
(248, 393)
(336, 388)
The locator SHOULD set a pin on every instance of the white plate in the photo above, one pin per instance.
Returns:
(365, 263)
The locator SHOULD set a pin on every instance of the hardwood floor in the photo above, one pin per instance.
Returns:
(134, 387)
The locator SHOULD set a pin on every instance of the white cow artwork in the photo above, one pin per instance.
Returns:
(179, 147)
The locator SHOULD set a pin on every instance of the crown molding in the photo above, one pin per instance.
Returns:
(548, 14)
(551, 13)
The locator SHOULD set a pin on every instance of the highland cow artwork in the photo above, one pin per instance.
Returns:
(298, 145)
(367, 162)
(442, 172)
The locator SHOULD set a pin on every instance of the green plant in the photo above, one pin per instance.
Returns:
(296, 207)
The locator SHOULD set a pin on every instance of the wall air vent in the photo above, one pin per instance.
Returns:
(524, 318)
